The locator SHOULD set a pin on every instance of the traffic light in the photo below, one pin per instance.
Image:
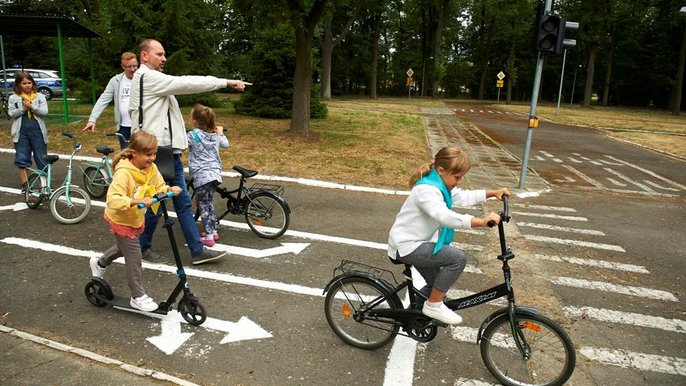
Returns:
(548, 33)
(562, 42)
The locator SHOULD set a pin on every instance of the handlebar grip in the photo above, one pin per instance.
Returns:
(68, 135)
(490, 223)
(155, 200)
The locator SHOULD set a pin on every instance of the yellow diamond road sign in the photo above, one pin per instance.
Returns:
(410, 73)
(501, 75)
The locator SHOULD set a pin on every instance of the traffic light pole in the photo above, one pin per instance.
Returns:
(533, 121)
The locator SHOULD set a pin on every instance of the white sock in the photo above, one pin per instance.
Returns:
(434, 305)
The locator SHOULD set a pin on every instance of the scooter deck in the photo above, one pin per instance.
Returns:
(123, 303)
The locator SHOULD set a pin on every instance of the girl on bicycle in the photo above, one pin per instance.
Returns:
(424, 227)
(205, 165)
(136, 180)
(29, 134)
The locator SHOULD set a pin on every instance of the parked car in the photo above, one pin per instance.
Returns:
(49, 82)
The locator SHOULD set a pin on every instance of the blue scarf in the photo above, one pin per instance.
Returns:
(447, 233)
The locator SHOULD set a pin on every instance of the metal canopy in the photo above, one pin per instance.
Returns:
(24, 26)
(61, 27)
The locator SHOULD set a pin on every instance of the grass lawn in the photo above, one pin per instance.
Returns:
(376, 143)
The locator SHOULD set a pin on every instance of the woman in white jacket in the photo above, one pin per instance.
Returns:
(424, 227)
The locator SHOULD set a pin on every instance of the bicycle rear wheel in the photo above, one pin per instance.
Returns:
(71, 209)
(551, 359)
(266, 215)
(95, 182)
(345, 307)
(34, 190)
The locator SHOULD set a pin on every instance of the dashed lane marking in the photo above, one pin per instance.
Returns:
(615, 288)
(561, 229)
(548, 215)
(584, 177)
(630, 318)
(595, 263)
(544, 207)
(578, 243)
(653, 174)
(640, 361)
(629, 180)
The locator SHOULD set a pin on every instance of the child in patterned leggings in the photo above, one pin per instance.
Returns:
(205, 164)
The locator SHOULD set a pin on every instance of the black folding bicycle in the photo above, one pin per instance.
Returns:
(519, 346)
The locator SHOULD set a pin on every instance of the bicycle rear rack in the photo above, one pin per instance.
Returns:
(349, 266)
(276, 189)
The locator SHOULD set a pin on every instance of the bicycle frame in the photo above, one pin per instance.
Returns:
(104, 164)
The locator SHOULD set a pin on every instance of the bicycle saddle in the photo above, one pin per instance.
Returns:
(246, 173)
(51, 158)
(104, 150)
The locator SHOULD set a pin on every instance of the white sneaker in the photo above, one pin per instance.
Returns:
(442, 314)
(96, 269)
(143, 303)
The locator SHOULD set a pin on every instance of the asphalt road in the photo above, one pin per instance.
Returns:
(603, 259)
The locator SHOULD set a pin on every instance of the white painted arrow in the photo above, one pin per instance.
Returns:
(15, 207)
(294, 248)
(171, 338)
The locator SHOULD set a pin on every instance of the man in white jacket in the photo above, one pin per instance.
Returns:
(118, 90)
(160, 110)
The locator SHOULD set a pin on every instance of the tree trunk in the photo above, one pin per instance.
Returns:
(375, 57)
(438, 34)
(590, 70)
(679, 82)
(608, 75)
(302, 83)
(327, 52)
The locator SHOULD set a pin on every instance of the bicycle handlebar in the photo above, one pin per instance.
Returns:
(117, 134)
(504, 215)
(158, 198)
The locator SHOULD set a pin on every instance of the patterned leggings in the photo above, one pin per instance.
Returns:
(205, 195)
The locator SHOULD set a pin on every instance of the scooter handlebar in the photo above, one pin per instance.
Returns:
(158, 198)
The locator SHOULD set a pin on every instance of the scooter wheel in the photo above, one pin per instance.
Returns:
(95, 291)
(192, 311)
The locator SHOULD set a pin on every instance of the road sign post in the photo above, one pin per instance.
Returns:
(410, 82)
(500, 83)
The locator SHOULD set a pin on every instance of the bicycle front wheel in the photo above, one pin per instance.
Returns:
(95, 182)
(34, 190)
(266, 215)
(346, 307)
(551, 358)
(72, 208)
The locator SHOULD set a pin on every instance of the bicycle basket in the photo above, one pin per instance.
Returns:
(276, 189)
(348, 266)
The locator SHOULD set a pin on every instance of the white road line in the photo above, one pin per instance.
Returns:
(628, 359)
(660, 186)
(629, 180)
(611, 163)
(619, 317)
(400, 364)
(584, 177)
(615, 182)
(578, 243)
(561, 229)
(659, 177)
(615, 288)
(595, 263)
(547, 215)
(576, 161)
(538, 158)
(567, 179)
(590, 160)
(471, 382)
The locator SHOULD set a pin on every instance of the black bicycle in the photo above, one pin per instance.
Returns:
(263, 206)
(519, 346)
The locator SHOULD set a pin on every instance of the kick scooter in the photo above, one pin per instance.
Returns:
(100, 294)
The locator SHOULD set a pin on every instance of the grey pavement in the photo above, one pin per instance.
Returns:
(493, 166)
(26, 359)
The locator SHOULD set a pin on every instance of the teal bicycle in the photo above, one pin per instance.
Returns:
(69, 204)
(97, 176)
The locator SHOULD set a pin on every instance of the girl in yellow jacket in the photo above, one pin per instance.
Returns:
(136, 180)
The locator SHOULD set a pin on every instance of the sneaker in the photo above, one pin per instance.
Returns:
(442, 314)
(23, 187)
(208, 255)
(143, 303)
(209, 242)
(153, 257)
(96, 269)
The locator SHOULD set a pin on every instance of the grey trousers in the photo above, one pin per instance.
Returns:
(131, 250)
(440, 270)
